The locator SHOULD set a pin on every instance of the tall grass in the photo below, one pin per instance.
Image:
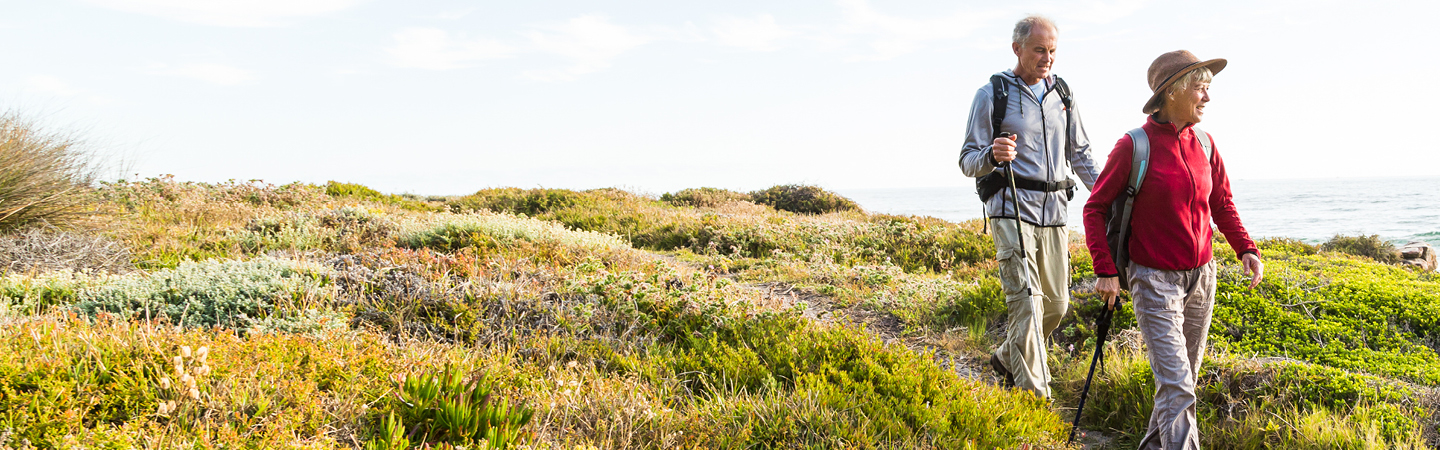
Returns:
(45, 176)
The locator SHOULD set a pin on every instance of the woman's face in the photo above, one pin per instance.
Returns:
(1188, 106)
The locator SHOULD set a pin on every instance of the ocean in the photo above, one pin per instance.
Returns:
(1313, 210)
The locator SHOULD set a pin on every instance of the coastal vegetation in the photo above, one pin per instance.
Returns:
(245, 314)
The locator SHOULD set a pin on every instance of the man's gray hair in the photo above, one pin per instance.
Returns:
(1025, 26)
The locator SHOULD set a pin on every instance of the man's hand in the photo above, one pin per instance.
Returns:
(1109, 288)
(1254, 268)
(1003, 149)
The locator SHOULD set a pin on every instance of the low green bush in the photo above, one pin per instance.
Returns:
(901, 397)
(916, 244)
(451, 407)
(1346, 313)
(451, 233)
(803, 199)
(1371, 246)
(347, 229)
(1252, 404)
(353, 190)
(530, 202)
(704, 197)
(1287, 245)
(233, 294)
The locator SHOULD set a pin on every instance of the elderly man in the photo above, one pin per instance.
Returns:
(1023, 139)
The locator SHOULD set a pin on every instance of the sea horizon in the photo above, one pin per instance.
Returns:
(1313, 210)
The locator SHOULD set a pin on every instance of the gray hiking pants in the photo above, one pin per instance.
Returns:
(1173, 309)
(1037, 294)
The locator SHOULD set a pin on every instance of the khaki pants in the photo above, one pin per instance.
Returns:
(1173, 309)
(1037, 294)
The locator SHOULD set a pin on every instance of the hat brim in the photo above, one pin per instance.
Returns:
(1153, 105)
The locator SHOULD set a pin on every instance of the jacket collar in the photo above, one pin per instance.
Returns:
(1151, 125)
(1010, 73)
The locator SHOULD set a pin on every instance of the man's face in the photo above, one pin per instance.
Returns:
(1037, 53)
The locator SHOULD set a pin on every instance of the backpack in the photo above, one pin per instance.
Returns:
(990, 184)
(1117, 230)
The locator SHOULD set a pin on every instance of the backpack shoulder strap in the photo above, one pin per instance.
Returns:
(1064, 90)
(1000, 99)
(1140, 158)
(1204, 142)
(1067, 100)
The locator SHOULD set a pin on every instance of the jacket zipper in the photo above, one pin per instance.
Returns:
(1195, 189)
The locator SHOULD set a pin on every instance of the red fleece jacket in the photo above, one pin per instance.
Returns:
(1181, 194)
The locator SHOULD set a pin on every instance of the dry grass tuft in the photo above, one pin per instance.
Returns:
(49, 249)
(44, 176)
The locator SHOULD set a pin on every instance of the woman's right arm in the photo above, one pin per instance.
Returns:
(1113, 180)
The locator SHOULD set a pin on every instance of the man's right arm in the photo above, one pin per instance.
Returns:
(976, 159)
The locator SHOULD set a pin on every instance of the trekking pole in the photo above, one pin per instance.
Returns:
(1102, 328)
(1019, 235)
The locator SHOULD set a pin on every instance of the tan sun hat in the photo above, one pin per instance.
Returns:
(1168, 68)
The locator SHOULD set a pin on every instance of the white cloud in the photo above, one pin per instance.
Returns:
(454, 15)
(760, 33)
(51, 85)
(229, 13)
(435, 49)
(894, 36)
(211, 73)
(590, 42)
(1099, 12)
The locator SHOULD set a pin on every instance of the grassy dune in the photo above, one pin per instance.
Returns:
(264, 316)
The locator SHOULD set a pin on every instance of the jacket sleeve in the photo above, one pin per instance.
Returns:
(1222, 208)
(975, 159)
(1110, 183)
(1077, 149)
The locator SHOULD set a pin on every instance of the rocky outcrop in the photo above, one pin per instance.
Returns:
(1418, 254)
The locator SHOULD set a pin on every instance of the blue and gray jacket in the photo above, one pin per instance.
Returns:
(1045, 152)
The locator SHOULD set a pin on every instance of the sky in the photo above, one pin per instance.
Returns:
(448, 97)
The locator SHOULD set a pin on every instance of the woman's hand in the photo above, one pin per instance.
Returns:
(1253, 267)
(1109, 288)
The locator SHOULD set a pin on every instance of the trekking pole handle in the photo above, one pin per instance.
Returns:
(1006, 135)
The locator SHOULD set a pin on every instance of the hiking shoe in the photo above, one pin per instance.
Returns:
(1000, 370)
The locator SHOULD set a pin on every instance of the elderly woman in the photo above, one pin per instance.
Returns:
(1170, 273)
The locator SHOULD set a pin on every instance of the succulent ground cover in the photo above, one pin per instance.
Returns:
(335, 316)
(278, 316)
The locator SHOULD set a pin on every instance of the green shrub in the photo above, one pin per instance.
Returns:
(1368, 246)
(46, 176)
(530, 202)
(353, 190)
(803, 199)
(449, 407)
(232, 294)
(704, 197)
(450, 233)
(1285, 245)
(1342, 312)
(347, 229)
